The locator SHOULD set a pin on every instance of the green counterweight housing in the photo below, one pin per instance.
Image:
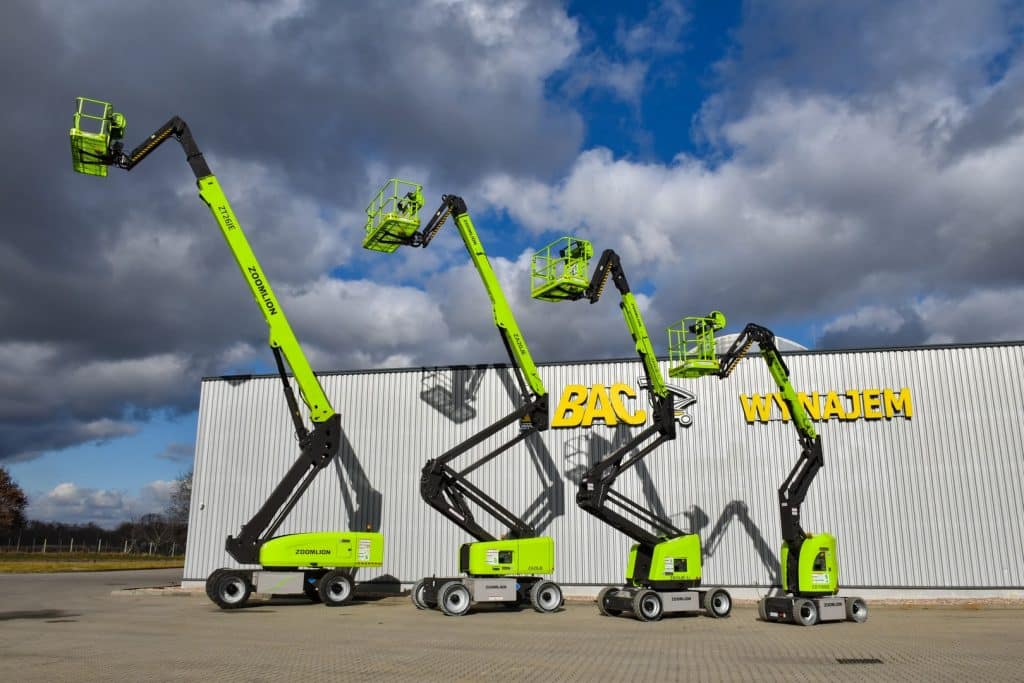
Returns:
(509, 556)
(817, 572)
(677, 560)
(318, 564)
(323, 549)
(507, 569)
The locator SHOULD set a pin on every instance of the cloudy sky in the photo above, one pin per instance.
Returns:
(845, 173)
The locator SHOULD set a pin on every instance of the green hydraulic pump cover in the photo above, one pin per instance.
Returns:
(510, 556)
(677, 559)
(819, 569)
(329, 549)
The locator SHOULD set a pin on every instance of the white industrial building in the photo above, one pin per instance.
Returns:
(922, 484)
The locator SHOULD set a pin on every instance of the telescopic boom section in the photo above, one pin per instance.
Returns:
(794, 489)
(443, 487)
(529, 380)
(595, 494)
(321, 444)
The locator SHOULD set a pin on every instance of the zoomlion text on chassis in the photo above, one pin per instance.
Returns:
(810, 569)
(322, 564)
(509, 570)
(664, 568)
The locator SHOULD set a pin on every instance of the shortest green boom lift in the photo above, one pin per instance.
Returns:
(810, 569)
(663, 573)
(320, 565)
(511, 569)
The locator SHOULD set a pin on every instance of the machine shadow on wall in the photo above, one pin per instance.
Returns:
(586, 450)
(710, 540)
(363, 506)
(363, 503)
(453, 392)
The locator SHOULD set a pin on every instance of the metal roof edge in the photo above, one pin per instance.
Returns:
(603, 361)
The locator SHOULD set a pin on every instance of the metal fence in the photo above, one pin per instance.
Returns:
(123, 546)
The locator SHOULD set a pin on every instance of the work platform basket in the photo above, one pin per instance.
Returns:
(691, 346)
(559, 270)
(95, 125)
(393, 217)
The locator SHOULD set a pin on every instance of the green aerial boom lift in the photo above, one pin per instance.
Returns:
(509, 570)
(810, 569)
(322, 564)
(663, 573)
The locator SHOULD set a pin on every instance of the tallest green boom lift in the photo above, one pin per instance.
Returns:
(320, 564)
(508, 570)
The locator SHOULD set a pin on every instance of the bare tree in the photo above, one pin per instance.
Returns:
(153, 530)
(12, 502)
(177, 509)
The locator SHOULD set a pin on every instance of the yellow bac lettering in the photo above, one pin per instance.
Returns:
(580, 406)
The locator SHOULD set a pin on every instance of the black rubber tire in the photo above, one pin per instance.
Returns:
(211, 581)
(232, 589)
(454, 599)
(546, 596)
(647, 606)
(416, 594)
(762, 610)
(607, 611)
(856, 610)
(717, 603)
(336, 588)
(805, 612)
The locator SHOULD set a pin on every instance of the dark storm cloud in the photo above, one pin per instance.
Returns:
(118, 293)
(875, 327)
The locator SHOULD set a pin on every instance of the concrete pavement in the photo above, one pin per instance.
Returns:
(72, 627)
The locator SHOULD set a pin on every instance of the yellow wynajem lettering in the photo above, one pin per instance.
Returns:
(869, 404)
(901, 404)
(812, 407)
(872, 404)
(833, 407)
(569, 411)
(854, 412)
(617, 392)
(598, 407)
(756, 407)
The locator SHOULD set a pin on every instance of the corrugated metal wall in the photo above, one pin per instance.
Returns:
(933, 501)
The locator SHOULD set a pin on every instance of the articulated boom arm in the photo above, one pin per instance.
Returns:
(794, 489)
(443, 487)
(609, 265)
(448, 491)
(595, 494)
(321, 444)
